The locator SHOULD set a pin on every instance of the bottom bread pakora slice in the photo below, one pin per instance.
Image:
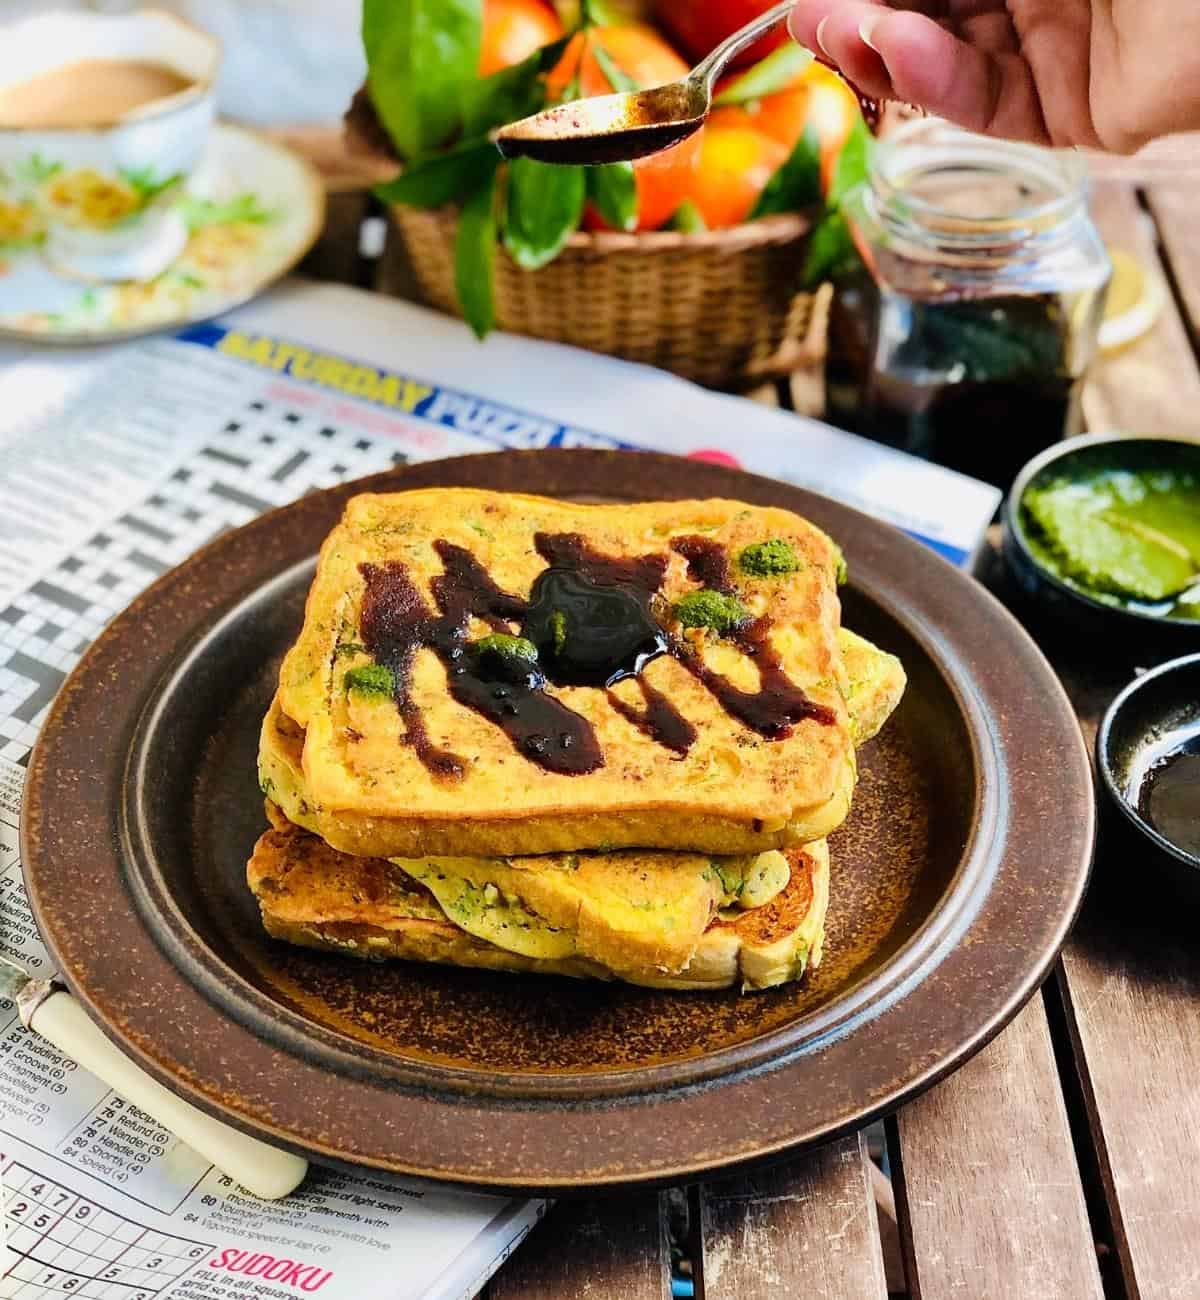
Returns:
(315, 896)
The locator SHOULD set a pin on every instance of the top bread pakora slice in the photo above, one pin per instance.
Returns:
(486, 673)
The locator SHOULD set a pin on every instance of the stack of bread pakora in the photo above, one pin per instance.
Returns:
(603, 741)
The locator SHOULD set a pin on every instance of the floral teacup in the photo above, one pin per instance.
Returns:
(96, 190)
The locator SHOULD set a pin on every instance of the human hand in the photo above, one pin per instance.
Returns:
(1111, 74)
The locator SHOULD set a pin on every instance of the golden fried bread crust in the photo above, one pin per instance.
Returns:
(735, 790)
(315, 896)
(875, 681)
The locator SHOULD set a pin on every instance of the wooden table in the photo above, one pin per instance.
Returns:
(1063, 1161)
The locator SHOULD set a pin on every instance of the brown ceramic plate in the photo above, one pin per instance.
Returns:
(954, 883)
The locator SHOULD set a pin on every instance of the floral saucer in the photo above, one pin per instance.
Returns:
(249, 213)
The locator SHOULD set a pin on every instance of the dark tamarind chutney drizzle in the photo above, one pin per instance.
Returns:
(591, 618)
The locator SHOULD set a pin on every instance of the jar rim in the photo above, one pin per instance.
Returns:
(920, 148)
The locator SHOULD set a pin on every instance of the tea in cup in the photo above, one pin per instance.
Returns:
(102, 119)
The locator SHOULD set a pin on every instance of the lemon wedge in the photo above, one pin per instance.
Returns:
(1135, 301)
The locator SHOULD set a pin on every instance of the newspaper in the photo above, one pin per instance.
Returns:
(116, 464)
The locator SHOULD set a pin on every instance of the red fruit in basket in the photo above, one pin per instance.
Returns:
(637, 50)
(512, 30)
(701, 25)
(736, 162)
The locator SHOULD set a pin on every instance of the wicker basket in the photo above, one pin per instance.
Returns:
(719, 307)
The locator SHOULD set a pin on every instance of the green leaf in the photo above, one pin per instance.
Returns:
(602, 13)
(511, 93)
(36, 169)
(475, 258)
(831, 251)
(198, 213)
(146, 182)
(442, 177)
(613, 189)
(797, 184)
(853, 163)
(545, 203)
(768, 76)
(687, 219)
(421, 56)
(370, 679)
(616, 78)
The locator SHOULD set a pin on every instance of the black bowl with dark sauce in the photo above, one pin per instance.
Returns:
(1148, 758)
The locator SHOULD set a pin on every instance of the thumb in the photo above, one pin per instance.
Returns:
(992, 92)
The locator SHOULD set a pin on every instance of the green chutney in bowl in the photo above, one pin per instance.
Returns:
(1111, 523)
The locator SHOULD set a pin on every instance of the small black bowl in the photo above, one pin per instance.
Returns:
(1068, 604)
(1154, 717)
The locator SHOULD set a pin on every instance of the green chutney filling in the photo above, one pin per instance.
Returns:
(504, 646)
(770, 559)
(370, 679)
(711, 609)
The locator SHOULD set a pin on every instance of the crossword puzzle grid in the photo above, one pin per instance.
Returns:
(61, 1244)
(264, 456)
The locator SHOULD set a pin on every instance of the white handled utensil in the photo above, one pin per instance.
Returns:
(619, 128)
(49, 1010)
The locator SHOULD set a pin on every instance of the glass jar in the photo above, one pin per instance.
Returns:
(965, 337)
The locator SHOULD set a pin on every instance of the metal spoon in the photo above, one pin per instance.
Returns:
(619, 128)
(48, 1009)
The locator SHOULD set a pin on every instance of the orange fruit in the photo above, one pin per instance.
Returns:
(783, 115)
(665, 179)
(832, 110)
(644, 56)
(638, 50)
(736, 162)
(512, 30)
(819, 98)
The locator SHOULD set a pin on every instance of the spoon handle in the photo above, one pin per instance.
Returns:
(711, 67)
(263, 1169)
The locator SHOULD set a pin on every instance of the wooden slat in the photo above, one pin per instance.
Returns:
(1131, 975)
(1131, 986)
(394, 274)
(336, 254)
(806, 1229)
(1174, 207)
(1153, 385)
(1133, 992)
(989, 1197)
(340, 168)
(613, 1248)
(1174, 159)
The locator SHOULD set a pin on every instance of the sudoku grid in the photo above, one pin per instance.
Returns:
(62, 1244)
